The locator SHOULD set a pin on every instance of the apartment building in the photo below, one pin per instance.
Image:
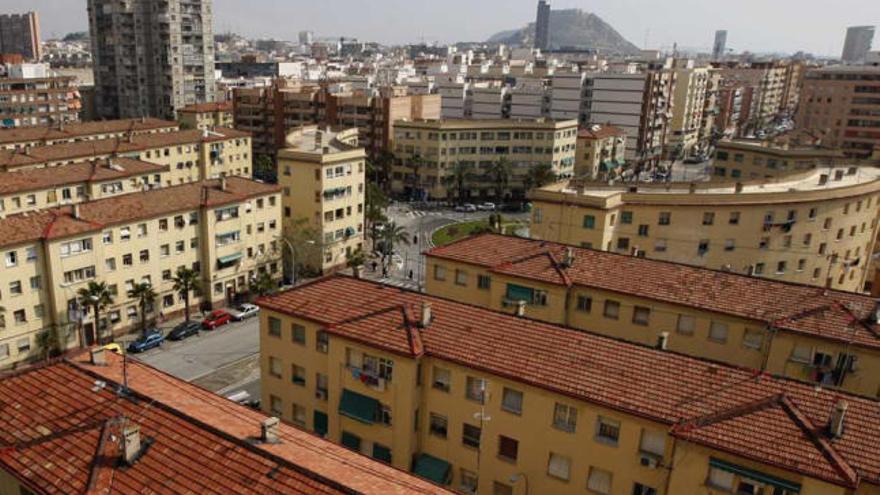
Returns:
(20, 34)
(798, 331)
(39, 101)
(816, 227)
(268, 113)
(40, 188)
(191, 155)
(842, 103)
(26, 137)
(427, 152)
(730, 98)
(487, 402)
(857, 44)
(601, 152)
(206, 115)
(155, 425)
(151, 58)
(685, 135)
(764, 91)
(566, 93)
(529, 99)
(752, 159)
(489, 101)
(322, 172)
(225, 229)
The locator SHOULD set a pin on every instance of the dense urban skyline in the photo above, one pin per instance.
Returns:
(820, 31)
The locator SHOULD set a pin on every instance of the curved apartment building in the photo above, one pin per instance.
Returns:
(815, 227)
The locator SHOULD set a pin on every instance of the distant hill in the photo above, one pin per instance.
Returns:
(572, 28)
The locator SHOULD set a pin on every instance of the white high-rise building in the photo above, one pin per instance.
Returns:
(857, 44)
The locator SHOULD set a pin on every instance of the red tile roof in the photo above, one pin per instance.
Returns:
(809, 310)
(661, 386)
(95, 215)
(82, 129)
(10, 159)
(76, 173)
(60, 426)
(600, 132)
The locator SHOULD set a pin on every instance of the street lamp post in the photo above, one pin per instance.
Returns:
(292, 256)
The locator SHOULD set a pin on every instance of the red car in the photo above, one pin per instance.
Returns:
(215, 319)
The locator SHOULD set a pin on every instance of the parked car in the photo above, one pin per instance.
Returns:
(153, 338)
(184, 330)
(216, 319)
(486, 206)
(244, 312)
(693, 160)
(466, 208)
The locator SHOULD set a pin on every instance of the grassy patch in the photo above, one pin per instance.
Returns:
(456, 231)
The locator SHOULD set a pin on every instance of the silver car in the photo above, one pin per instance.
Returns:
(244, 312)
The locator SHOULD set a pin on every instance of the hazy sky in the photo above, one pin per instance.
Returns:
(756, 25)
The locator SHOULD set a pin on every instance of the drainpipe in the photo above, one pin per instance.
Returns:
(670, 467)
(568, 295)
(771, 333)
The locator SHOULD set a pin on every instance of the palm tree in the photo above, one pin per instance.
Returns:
(461, 173)
(95, 296)
(146, 296)
(499, 174)
(375, 216)
(539, 176)
(355, 260)
(392, 235)
(186, 280)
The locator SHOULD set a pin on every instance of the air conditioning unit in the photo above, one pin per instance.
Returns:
(649, 461)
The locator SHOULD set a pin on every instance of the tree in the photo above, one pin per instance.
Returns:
(499, 175)
(306, 242)
(146, 296)
(264, 169)
(461, 174)
(376, 204)
(355, 260)
(392, 235)
(186, 280)
(379, 170)
(47, 343)
(263, 284)
(95, 296)
(539, 176)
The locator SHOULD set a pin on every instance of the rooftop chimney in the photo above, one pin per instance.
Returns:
(739, 187)
(838, 418)
(269, 430)
(131, 443)
(98, 357)
(692, 188)
(222, 183)
(76, 212)
(319, 138)
(663, 341)
(823, 179)
(425, 320)
(568, 259)
(520, 308)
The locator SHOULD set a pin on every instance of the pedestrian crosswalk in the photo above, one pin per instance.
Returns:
(421, 213)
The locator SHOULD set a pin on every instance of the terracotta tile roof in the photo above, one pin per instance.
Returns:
(662, 386)
(10, 159)
(77, 173)
(603, 132)
(95, 215)
(828, 314)
(61, 428)
(82, 129)
(218, 106)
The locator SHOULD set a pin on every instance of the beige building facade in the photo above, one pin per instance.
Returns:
(753, 159)
(817, 227)
(601, 152)
(225, 229)
(688, 104)
(204, 116)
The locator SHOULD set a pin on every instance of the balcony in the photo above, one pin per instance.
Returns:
(368, 378)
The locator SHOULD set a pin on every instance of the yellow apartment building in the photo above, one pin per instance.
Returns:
(492, 403)
(805, 333)
(225, 229)
(600, 152)
(434, 147)
(688, 104)
(26, 137)
(191, 155)
(322, 173)
(752, 159)
(206, 116)
(39, 188)
(816, 227)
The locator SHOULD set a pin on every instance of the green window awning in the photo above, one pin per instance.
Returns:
(382, 453)
(320, 421)
(351, 441)
(755, 475)
(432, 468)
(232, 258)
(519, 293)
(358, 407)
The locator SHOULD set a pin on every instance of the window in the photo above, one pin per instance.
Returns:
(274, 327)
(512, 401)
(476, 389)
(607, 430)
(441, 379)
(322, 341)
(801, 354)
(734, 218)
(508, 448)
(653, 442)
(643, 231)
(460, 277)
(15, 288)
(686, 324)
(439, 272)
(438, 425)
(623, 244)
(640, 489)
(470, 435)
(720, 479)
(499, 488)
(703, 247)
(599, 481)
(626, 217)
(753, 339)
(641, 315)
(299, 414)
(612, 309)
(144, 256)
(559, 466)
(729, 245)
(298, 375)
(468, 483)
(275, 367)
(36, 282)
(298, 333)
(759, 269)
(584, 303)
(351, 441)
(718, 332)
(660, 245)
(565, 417)
(12, 258)
(19, 316)
(484, 282)
(664, 218)
(780, 267)
(708, 218)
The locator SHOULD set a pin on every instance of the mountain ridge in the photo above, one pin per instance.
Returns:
(572, 28)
